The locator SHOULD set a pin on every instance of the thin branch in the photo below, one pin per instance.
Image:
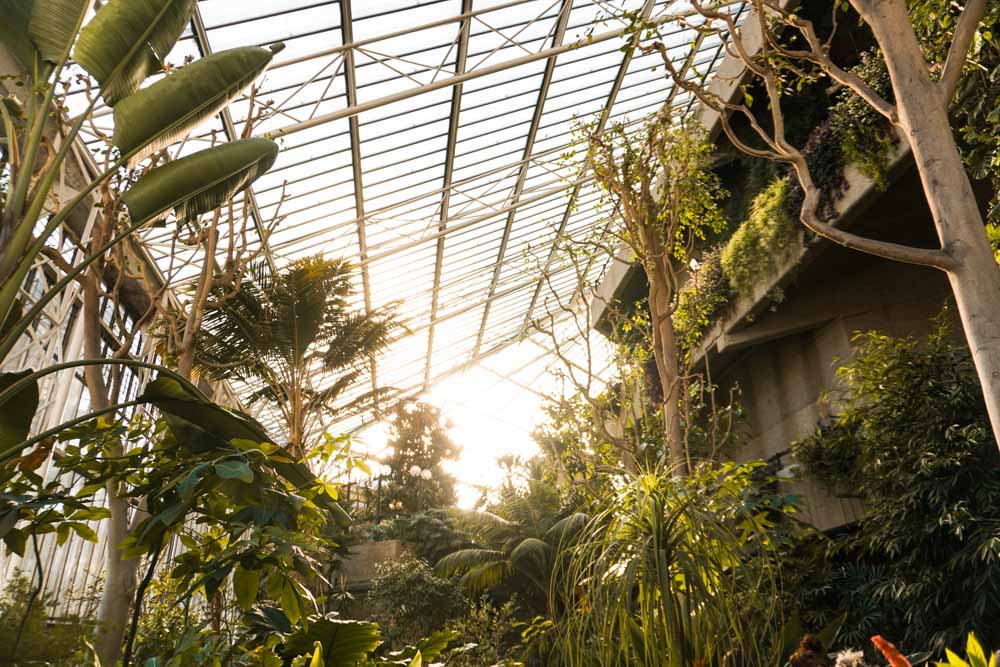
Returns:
(968, 23)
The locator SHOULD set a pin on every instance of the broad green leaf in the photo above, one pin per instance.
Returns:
(434, 645)
(200, 182)
(154, 117)
(54, 24)
(269, 619)
(17, 412)
(8, 520)
(193, 418)
(290, 603)
(83, 530)
(127, 41)
(245, 585)
(345, 643)
(14, 30)
(16, 540)
(234, 470)
(417, 661)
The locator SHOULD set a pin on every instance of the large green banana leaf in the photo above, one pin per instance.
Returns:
(127, 41)
(156, 116)
(196, 421)
(54, 24)
(202, 181)
(16, 15)
(17, 413)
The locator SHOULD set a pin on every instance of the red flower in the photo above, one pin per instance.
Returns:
(890, 652)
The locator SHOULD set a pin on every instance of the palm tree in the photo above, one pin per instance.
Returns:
(286, 331)
(518, 542)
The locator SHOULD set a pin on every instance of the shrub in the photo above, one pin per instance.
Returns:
(701, 298)
(428, 535)
(44, 641)
(913, 439)
(865, 136)
(409, 601)
(753, 247)
(491, 628)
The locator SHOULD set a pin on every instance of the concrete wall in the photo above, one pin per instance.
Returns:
(359, 568)
(786, 359)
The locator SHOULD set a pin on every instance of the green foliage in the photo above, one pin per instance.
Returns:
(409, 601)
(750, 176)
(517, 543)
(676, 572)
(56, 643)
(123, 44)
(19, 408)
(129, 42)
(418, 436)
(914, 441)
(976, 106)
(866, 137)
(676, 155)
(826, 162)
(701, 298)
(491, 628)
(755, 247)
(429, 535)
(202, 181)
(154, 117)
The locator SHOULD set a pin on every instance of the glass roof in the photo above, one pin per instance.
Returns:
(432, 143)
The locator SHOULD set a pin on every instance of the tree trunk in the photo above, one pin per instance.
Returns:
(668, 367)
(119, 575)
(923, 117)
(120, 578)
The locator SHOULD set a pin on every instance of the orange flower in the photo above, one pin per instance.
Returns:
(890, 652)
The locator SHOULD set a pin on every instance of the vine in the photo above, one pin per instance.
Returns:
(705, 293)
(865, 136)
(754, 247)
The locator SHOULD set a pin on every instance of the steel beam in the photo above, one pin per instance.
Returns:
(355, 109)
(449, 167)
(605, 114)
(350, 83)
(536, 119)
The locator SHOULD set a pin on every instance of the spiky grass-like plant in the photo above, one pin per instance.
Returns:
(672, 573)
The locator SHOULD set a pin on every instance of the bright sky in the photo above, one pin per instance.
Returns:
(492, 415)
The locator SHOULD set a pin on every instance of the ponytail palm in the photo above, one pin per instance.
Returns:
(673, 573)
(295, 336)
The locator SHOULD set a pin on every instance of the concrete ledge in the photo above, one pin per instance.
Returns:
(723, 334)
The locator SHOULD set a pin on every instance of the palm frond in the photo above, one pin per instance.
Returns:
(464, 560)
(532, 558)
(563, 530)
(486, 576)
(357, 337)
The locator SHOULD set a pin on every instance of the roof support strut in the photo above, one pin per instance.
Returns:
(515, 195)
(346, 24)
(449, 167)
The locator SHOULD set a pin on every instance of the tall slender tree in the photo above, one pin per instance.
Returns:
(420, 445)
(658, 181)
